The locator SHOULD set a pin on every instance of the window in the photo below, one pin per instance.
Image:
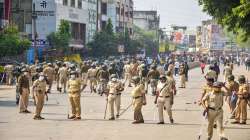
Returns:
(103, 25)
(118, 10)
(104, 8)
(80, 4)
(65, 2)
(72, 3)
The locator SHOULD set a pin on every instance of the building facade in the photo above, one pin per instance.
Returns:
(147, 20)
(92, 23)
(119, 11)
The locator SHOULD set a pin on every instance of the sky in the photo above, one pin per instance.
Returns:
(178, 12)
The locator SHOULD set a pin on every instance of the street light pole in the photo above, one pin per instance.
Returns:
(34, 17)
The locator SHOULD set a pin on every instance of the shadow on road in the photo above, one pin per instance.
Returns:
(8, 103)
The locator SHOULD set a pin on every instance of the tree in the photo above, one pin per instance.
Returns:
(60, 39)
(104, 43)
(11, 43)
(232, 14)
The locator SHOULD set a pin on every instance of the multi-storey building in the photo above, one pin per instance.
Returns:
(5, 8)
(92, 23)
(147, 20)
(119, 11)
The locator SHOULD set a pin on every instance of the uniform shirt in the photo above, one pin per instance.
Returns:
(138, 91)
(92, 73)
(214, 100)
(49, 72)
(40, 86)
(207, 89)
(74, 86)
(127, 68)
(33, 69)
(182, 70)
(211, 74)
(243, 91)
(23, 82)
(164, 89)
(171, 82)
(227, 70)
(84, 68)
(9, 68)
(232, 86)
(153, 74)
(114, 87)
(63, 72)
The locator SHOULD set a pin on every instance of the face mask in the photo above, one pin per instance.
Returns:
(41, 78)
(114, 79)
(26, 73)
(72, 76)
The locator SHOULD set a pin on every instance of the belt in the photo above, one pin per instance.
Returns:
(137, 97)
(214, 109)
(164, 96)
(115, 94)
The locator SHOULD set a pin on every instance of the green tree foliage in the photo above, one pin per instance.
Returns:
(104, 43)
(147, 39)
(11, 43)
(61, 38)
(233, 14)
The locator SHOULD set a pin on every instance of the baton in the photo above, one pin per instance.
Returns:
(106, 109)
(125, 110)
(202, 124)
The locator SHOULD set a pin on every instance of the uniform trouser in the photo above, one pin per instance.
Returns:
(102, 86)
(39, 103)
(24, 99)
(75, 105)
(161, 102)
(241, 113)
(128, 78)
(9, 78)
(153, 83)
(63, 82)
(93, 83)
(137, 105)
(114, 100)
(218, 117)
(183, 80)
(84, 77)
(50, 81)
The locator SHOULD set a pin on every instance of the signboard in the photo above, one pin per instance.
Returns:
(162, 47)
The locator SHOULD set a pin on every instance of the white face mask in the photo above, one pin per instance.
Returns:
(73, 76)
(41, 78)
(114, 79)
(26, 73)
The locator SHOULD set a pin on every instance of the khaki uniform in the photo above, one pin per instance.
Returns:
(215, 113)
(103, 78)
(171, 69)
(243, 94)
(227, 72)
(127, 74)
(164, 99)
(84, 71)
(50, 73)
(133, 69)
(40, 92)
(92, 73)
(114, 97)
(9, 76)
(138, 95)
(182, 77)
(212, 74)
(24, 88)
(153, 76)
(63, 77)
(74, 90)
(32, 72)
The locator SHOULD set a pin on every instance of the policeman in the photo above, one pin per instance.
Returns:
(211, 73)
(153, 77)
(49, 72)
(74, 91)
(57, 67)
(127, 73)
(213, 103)
(92, 73)
(182, 76)
(63, 77)
(139, 99)
(243, 95)
(24, 90)
(231, 99)
(163, 99)
(39, 93)
(84, 70)
(227, 72)
(207, 88)
(103, 78)
(9, 76)
(114, 88)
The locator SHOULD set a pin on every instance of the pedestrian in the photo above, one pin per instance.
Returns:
(9, 75)
(39, 93)
(49, 72)
(127, 73)
(115, 87)
(227, 72)
(213, 103)
(24, 90)
(92, 73)
(164, 99)
(176, 67)
(186, 70)
(103, 78)
(153, 77)
(182, 76)
(63, 77)
(74, 92)
(139, 99)
(243, 95)
(202, 66)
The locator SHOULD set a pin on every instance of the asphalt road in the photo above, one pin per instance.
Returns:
(187, 116)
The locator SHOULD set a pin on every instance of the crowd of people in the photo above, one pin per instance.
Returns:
(110, 78)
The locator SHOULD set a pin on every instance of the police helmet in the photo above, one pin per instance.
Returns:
(136, 79)
(242, 79)
(230, 78)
